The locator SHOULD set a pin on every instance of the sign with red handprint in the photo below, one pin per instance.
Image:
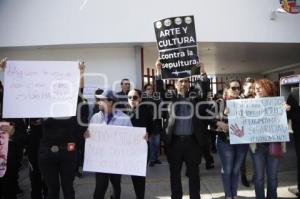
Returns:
(257, 120)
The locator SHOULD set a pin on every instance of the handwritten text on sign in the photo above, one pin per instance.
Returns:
(257, 120)
(40, 89)
(116, 149)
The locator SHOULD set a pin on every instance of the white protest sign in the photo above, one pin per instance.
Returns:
(116, 149)
(257, 120)
(3, 149)
(40, 89)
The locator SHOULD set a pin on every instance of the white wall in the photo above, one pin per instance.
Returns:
(39, 22)
(101, 62)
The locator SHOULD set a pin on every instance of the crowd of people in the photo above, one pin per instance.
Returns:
(170, 114)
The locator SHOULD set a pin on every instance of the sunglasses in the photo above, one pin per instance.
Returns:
(133, 97)
(235, 88)
(100, 99)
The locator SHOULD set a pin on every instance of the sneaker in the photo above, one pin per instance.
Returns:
(157, 162)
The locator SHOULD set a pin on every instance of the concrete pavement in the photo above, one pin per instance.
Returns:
(158, 184)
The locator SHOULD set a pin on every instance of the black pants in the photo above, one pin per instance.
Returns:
(58, 168)
(8, 183)
(297, 148)
(139, 183)
(188, 151)
(38, 188)
(207, 155)
(243, 167)
(102, 184)
(80, 151)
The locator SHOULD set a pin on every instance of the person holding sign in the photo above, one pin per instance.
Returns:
(12, 134)
(58, 152)
(231, 156)
(108, 116)
(248, 92)
(154, 140)
(140, 117)
(184, 133)
(263, 159)
(8, 167)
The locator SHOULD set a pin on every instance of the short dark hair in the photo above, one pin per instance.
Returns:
(227, 84)
(125, 79)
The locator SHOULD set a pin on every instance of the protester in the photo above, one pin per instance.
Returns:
(58, 154)
(203, 90)
(294, 116)
(183, 137)
(140, 116)
(108, 116)
(122, 95)
(34, 133)
(248, 92)
(82, 120)
(263, 161)
(96, 106)
(231, 156)
(16, 131)
(154, 140)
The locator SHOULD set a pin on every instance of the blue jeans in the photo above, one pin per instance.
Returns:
(231, 157)
(263, 161)
(154, 142)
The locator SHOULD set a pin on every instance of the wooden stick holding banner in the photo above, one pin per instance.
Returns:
(177, 46)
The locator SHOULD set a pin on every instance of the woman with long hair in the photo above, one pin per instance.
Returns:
(263, 161)
(231, 156)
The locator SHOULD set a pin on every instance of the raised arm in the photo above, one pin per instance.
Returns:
(82, 69)
(3, 63)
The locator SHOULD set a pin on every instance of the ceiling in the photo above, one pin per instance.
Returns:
(243, 58)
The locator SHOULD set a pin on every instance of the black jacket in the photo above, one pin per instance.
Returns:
(141, 117)
(199, 124)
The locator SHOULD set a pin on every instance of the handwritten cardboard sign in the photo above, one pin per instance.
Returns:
(177, 46)
(116, 149)
(40, 89)
(257, 120)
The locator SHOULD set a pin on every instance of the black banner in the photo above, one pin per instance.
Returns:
(177, 46)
